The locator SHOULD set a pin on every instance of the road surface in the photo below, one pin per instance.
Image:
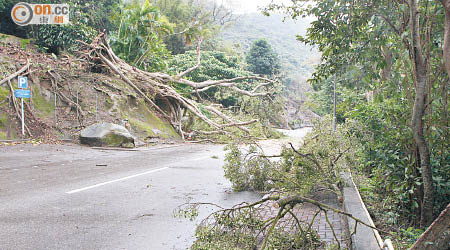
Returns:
(74, 197)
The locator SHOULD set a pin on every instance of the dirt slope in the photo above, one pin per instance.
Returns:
(102, 97)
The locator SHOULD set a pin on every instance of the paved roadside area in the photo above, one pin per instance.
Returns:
(74, 197)
(306, 212)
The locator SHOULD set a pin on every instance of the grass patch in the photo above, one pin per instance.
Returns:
(3, 135)
(142, 119)
(3, 120)
(4, 38)
(3, 125)
(45, 109)
(4, 93)
(145, 127)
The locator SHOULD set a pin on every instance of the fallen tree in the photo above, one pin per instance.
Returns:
(248, 225)
(437, 236)
(156, 88)
(303, 192)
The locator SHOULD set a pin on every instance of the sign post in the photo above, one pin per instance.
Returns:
(22, 93)
(23, 120)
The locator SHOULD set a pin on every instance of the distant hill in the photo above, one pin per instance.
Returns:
(296, 57)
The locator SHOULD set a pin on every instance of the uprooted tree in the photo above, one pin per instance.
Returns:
(158, 90)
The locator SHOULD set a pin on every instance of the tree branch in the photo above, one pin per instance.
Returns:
(160, 84)
(10, 77)
(228, 119)
(111, 65)
(198, 61)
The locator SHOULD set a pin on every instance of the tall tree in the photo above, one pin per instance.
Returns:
(417, 123)
(138, 38)
(262, 59)
(192, 18)
(368, 39)
(446, 5)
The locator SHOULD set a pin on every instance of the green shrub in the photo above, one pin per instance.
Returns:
(318, 163)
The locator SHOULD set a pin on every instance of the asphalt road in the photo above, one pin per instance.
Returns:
(73, 197)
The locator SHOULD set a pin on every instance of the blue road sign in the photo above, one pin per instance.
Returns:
(23, 82)
(22, 93)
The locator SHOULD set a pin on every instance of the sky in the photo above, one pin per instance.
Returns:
(248, 6)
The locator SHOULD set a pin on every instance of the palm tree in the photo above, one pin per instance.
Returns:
(139, 37)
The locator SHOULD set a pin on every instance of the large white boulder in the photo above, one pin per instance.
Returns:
(107, 134)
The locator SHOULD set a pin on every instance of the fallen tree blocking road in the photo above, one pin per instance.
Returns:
(156, 87)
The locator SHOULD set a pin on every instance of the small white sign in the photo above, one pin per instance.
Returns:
(23, 82)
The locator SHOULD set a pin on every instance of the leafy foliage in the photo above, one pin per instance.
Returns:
(192, 20)
(366, 45)
(84, 24)
(318, 163)
(269, 111)
(227, 235)
(7, 26)
(54, 38)
(138, 38)
(240, 230)
(216, 65)
(262, 59)
(248, 172)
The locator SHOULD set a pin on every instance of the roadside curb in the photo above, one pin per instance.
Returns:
(365, 238)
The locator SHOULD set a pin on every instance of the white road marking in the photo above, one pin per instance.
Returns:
(129, 177)
(117, 180)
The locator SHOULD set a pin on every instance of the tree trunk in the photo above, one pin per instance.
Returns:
(446, 50)
(386, 71)
(446, 4)
(444, 120)
(438, 233)
(417, 122)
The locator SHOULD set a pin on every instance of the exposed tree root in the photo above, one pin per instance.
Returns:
(156, 87)
(54, 79)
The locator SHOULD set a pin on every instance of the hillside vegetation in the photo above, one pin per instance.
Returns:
(154, 50)
(297, 58)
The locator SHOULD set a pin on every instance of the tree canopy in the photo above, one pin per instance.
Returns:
(262, 59)
(390, 72)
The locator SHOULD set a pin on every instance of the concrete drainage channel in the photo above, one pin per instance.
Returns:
(365, 238)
